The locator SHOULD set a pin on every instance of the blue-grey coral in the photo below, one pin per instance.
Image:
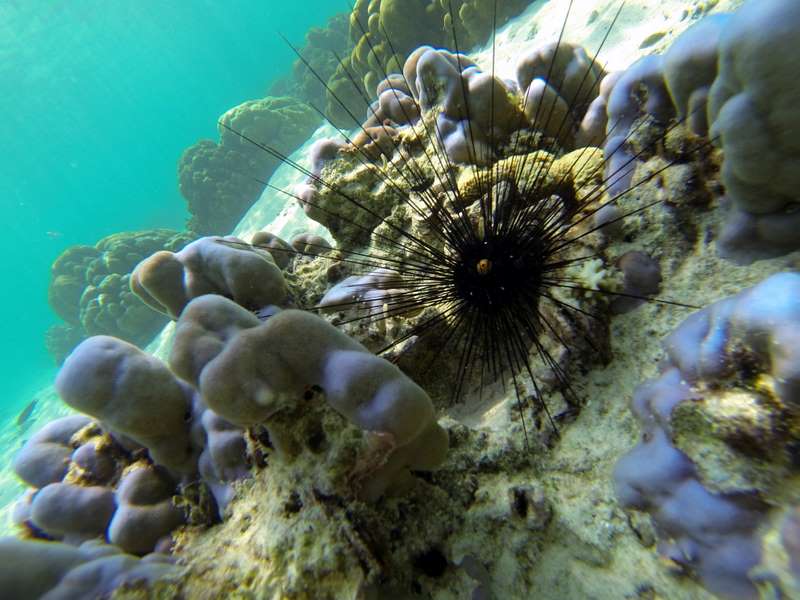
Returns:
(223, 459)
(220, 180)
(733, 78)
(38, 570)
(90, 289)
(247, 371)
(145, 512)
(752, 108)
(167, 281)
(45, 457)
(134, 394)
(731, 385)
(72, 512)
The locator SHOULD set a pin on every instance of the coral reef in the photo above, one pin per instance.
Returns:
(724, 77)
(55, 571)
(449, 106)
(320, 51)
(221, 180)
(130, 478)
(90, 289)
(95, 489)
(274, 455)
(167, 281)
(719, 428)
(385, 32)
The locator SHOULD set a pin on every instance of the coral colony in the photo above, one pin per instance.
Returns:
(486, 231)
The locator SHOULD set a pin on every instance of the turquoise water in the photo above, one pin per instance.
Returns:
(98, 101)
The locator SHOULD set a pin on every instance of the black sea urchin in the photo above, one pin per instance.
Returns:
(487, 260)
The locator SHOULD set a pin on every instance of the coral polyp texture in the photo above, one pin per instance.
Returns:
(90, 289)
(221, 180)
(719, 430)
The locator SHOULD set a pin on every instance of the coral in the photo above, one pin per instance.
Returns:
(718, 432)
(223, 458)
(322, 45)
(476, 113)
(100, 492)
(72, 512)
(471, 122)
(304, 445)
(134, 394)
(641, 279)
(327, 205)
(366, 291)
(727, 80)
(560, 82)
(94, 483)
(280, 250)
(385, 32)
(310, 244)
(45, 456)
(68, 280)
(752, 113)
(93, 463)
(624, 109)
(167, 281)
(690, 66)
(444, 104)
(55, 571)
(222, 350)
(145, 511)
(219, 185)
(117, 480)
(89, 289)
(220, 181)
